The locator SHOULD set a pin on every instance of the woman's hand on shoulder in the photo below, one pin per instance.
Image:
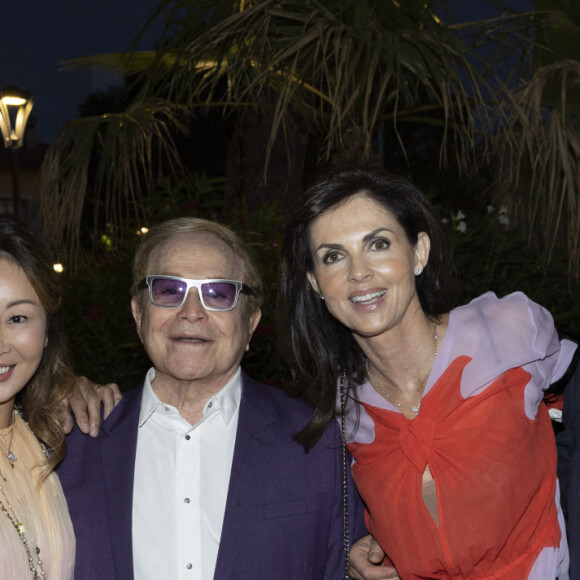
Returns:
(84, 405)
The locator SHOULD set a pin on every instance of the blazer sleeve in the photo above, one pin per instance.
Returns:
(567, 438)
(569, 469)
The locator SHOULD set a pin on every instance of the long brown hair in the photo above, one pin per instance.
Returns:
(41, 397)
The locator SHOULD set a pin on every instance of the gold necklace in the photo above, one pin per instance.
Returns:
(413, 408)
(36, 569)
(7, 450)
(6, 508)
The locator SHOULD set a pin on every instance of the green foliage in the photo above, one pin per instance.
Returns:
(141, 145)
(262, 230)
(97, 318)
(489, 254)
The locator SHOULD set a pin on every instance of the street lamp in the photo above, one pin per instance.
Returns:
(15, 107)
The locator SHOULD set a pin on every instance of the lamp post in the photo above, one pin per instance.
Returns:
(15, 107)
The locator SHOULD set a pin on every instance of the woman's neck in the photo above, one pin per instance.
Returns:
(402, 357)
(6, 413)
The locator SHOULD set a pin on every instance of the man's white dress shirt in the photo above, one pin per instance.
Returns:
(182, 475)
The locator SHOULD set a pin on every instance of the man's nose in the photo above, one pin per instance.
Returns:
(192, 306)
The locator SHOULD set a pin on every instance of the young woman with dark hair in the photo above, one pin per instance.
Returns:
(453, 455)
(36, 533)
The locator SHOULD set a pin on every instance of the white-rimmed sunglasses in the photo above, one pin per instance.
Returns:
(214, 293)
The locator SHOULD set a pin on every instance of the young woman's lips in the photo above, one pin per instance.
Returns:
(5, 372)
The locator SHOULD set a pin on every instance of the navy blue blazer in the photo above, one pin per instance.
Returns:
(283, 516)
(568, 442)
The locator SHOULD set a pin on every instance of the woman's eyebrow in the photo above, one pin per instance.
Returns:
(372, 234)
(23, 301)
(329, 245)
(366, 238)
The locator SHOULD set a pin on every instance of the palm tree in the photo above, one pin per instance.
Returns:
(110, 159)
(292, 71)
(539, 141)
(309, 68)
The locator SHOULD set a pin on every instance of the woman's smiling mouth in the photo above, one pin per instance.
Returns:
(5, 372)
(367, 298)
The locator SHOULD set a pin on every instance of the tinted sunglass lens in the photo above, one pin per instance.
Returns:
(219, 295)
(168, 292)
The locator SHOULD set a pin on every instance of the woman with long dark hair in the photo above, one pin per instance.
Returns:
(453, 455)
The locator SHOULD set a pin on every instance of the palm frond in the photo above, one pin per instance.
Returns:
(126, 63)
(114, 157)
(538, 148)
(339, 65)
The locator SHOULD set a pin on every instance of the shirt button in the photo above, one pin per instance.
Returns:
(210, 405)
(186, 500)
(189, 566)
(187, 437)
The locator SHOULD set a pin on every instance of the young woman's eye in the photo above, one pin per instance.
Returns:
(380, 244)
(331, 257)
(18, 319)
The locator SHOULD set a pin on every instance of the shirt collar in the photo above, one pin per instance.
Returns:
(226, 401)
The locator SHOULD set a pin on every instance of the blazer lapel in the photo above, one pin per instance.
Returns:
(118, 445)
(253, 434)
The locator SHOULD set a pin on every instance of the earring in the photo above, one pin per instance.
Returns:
(418, 270)
(321, 297)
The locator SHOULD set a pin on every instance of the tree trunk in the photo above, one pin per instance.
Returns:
(248, 178)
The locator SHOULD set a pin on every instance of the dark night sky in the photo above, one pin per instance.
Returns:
(38, 34)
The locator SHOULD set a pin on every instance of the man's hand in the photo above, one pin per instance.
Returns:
(366, 561)
(85, 403)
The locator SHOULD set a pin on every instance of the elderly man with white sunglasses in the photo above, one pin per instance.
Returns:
(195, 474)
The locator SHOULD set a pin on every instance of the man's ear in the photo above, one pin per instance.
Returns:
(253, 323)
(312, 279)
(137, 311)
